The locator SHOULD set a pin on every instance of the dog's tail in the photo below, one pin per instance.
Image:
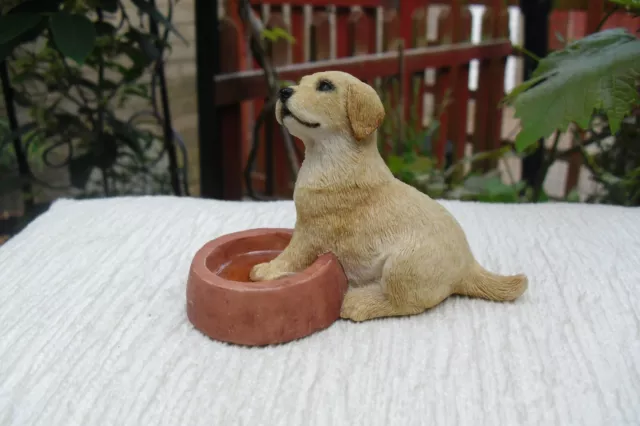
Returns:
(487, 285)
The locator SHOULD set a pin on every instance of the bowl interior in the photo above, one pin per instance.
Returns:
(234, 259)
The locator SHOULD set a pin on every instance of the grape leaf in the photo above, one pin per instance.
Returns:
(11, 26)
(633, 4)
(74, 35)
(598, 72)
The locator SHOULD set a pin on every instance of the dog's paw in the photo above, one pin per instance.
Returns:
(260, 272)
(354, 309)
(265, 272)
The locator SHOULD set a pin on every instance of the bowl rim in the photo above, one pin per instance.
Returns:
(199, 264)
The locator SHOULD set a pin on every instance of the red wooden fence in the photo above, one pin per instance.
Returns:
(240, 94)
(241, 89)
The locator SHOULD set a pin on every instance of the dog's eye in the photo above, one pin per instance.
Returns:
(325, 86)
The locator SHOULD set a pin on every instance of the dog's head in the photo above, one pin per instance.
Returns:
(329, 104)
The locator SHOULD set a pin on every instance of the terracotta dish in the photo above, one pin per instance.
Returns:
(225, 305)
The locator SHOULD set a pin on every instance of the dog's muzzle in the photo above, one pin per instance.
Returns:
(284, 94)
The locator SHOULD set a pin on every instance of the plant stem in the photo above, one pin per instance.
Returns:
(169, 145)
(526, 52)
(99, 127)
(550, 158)
(606, 17)
(271, 76)
(23, 165)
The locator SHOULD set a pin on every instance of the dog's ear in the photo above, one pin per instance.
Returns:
(364, 110)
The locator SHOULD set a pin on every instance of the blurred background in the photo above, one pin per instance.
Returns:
(104, 98)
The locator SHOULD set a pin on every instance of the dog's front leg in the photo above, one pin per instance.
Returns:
(297, 256)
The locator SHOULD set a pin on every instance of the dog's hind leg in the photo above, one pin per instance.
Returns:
(369, 302)
(412, 281)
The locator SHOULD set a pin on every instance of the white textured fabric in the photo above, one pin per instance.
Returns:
(94, 330)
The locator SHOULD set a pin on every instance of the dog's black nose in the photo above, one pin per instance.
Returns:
(285, 93)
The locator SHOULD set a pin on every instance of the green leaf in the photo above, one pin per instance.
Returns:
(26, 37)
(598, 72)
(74, 35)
(410, 163)
(18, 133)
(544, 197)
(395, 164)
(14, 25)
(633, 4)
(273, 34)
(573, 196)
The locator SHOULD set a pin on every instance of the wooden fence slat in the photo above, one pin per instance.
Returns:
(343, 14)
(375, 3)
(361, 33)
(417, 83)
(297, 31)
(595, 12)
(391, 41)
(480, 135)
(320, 43)
(231, 117)
(499, 30)
(259, 174)
(454, 26)
(408, 9)
(281, 169)
(443, 88)
(235, 87)
(460, 104)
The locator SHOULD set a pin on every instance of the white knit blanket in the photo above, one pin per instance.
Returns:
(93, 329)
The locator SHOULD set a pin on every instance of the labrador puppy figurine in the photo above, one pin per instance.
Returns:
(401, 251)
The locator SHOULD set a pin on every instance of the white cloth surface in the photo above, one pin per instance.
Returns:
(94, 329)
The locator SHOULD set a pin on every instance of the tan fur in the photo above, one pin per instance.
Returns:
(364, 110)
(401, 251)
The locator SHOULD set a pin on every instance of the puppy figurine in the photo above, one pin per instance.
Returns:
(402, 251)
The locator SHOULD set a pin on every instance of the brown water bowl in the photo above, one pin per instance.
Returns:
(225, 305)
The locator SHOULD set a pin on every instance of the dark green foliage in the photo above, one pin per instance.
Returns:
(596, 73)
(71, 85)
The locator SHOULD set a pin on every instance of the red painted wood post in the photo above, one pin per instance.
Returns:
(558, 27)
(362, 32)
(406, 13)
(232, 121)
(454, 26)
(460, 106)
(442, 90)
(259, 175)
(391, 39)
(320, 35)
(481, 104)
(499, 29)
(279, 52)
(417, 84)
(342, 31)
(297, 31)
(430, 89)
(595, 12)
